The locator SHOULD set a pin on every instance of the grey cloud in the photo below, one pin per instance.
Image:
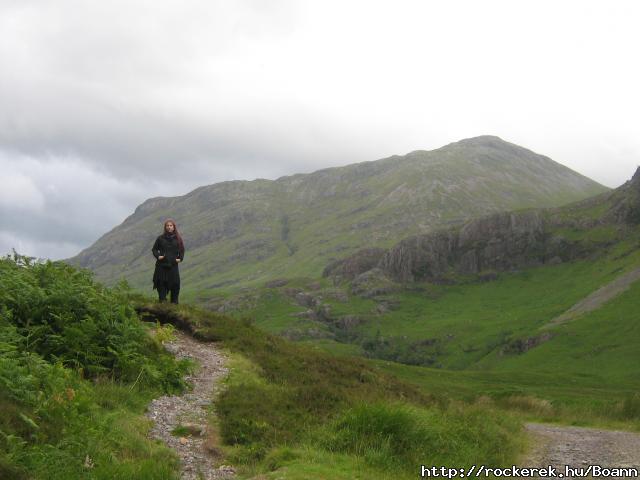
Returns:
(35, 247)
(94, 80)
(105, 104)
(147, 144)
(56, 207)
(66, 203)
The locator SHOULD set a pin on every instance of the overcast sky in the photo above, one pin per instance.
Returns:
(104, 104)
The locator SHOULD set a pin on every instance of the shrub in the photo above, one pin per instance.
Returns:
(58, 330)
(62, 315)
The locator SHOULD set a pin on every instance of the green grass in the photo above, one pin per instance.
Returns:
(472, 320)
(77, 370)
(333, 347)
(71, 419)
(273, 309)
(464, 323)
(576, 400)
(281, 399)
(390, 441)
(397, 437)
(598, 234)
(581, 376)
(600, 345)
(585, 371)
(79, 428)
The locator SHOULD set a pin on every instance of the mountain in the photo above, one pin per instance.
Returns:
(502, 241)
(538, 301)
(241, 233)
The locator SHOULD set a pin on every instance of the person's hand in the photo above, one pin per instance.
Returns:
(177, 260)
(161, 257)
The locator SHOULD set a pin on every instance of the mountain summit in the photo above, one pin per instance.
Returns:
(246, 232)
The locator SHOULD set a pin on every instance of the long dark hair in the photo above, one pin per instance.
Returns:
(175, 230)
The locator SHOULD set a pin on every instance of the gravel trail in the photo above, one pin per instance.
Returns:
(190, 410)
(580, 447)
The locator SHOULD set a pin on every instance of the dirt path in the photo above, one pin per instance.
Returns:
(580, 447)
(190, 411)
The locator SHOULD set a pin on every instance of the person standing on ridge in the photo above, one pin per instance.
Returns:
(169, 252)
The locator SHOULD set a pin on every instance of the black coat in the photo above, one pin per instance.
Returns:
(166, 270)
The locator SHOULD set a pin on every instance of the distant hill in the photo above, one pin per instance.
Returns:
(550, 292)
(241, 233)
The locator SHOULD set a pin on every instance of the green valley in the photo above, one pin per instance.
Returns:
(492, 332)
(413, 310)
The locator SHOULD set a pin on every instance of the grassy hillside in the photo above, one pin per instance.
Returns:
(77, 369)
(434, 348)
(470, 324)
(466, 320)
(492, 333)
(297, 411)
(385, 377)
(243, 233)
(583, 372)
(584, 375)
(79, 362)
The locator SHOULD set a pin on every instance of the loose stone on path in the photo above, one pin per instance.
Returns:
(579, 447)
(190, 410)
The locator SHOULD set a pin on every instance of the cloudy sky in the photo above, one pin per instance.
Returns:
(105, 104)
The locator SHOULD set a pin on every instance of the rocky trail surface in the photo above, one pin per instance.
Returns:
(193, 443)
(580, 448)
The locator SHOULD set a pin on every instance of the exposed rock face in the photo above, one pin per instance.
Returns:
(352, 266)
(626, 202)
(499, 242)
(371, 283)
(494, 243)
(502, 242)
(420, 256)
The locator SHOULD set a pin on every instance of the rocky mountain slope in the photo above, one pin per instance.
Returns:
(497, 242)
(492, 293)
(247, 232)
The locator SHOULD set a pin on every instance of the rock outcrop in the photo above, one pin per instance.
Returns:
(494, 243)
(350, 267)
(372, 283)
(499, 242)
(626, 202)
